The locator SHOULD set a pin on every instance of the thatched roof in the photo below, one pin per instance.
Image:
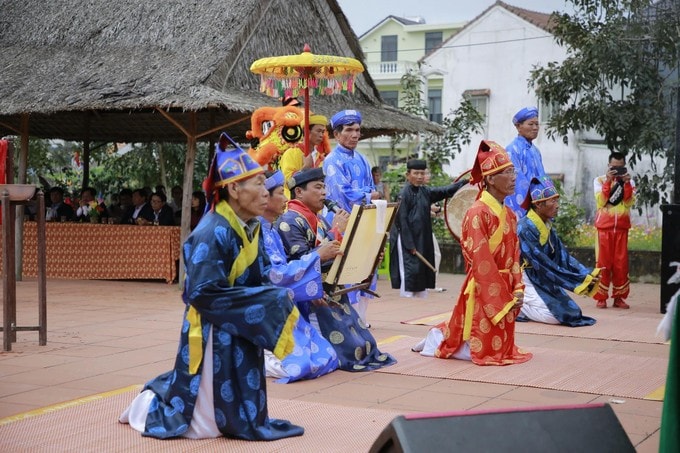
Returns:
(102, 70)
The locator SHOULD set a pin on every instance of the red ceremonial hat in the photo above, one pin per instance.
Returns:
(491, 159)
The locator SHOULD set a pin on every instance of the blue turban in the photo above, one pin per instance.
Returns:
(345, 117)
(525, 114)
(274, 181)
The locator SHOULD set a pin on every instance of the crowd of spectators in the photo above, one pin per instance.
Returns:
(142, 206)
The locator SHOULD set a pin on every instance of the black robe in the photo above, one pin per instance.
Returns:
(414, 225)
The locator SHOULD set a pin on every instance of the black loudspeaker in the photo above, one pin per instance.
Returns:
(670, 251)
(591, 428)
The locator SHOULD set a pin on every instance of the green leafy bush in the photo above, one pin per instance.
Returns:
(639, 238)
(569, 218)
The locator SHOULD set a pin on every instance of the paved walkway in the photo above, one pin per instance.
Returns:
(108, 335)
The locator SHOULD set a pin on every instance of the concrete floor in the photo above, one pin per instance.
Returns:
(107, 335)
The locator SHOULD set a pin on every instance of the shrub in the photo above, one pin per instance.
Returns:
(569, 218)
(639, 238)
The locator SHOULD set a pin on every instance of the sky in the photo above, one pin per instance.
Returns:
(364, 14)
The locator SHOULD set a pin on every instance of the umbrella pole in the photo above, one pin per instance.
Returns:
(306, 131)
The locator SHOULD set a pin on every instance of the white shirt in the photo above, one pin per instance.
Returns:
(137, 209)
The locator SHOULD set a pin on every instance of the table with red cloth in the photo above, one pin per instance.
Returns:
(93, 251)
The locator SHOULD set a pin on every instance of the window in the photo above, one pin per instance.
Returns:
(546, 111)
(480, 101)
(384, 162)
(390, 98)
(388, 48)
(434, 105)
(432, 40)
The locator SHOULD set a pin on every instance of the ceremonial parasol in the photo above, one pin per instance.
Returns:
(306, 73)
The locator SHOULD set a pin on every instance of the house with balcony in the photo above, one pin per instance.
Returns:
(392, 47)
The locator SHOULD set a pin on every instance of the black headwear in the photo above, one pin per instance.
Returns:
(301, 177)
(416, 164)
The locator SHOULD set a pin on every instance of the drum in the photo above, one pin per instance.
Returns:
(456, 207)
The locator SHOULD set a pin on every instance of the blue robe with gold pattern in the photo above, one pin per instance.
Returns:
(339, 322)
(552, 269)
(313, 355)
(225, 272)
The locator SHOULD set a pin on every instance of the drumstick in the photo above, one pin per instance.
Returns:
(425, 261)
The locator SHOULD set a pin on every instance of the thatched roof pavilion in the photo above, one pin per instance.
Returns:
(164, 70)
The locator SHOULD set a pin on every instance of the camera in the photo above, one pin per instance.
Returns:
(620, 171)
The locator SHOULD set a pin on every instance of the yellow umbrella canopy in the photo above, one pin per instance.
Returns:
(306, 73)
(289, 75)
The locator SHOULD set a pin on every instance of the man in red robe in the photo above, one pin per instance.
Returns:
(482, 325)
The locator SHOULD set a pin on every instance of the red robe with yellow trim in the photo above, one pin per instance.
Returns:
(484, 314)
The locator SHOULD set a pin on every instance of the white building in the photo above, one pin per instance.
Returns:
(489, 61)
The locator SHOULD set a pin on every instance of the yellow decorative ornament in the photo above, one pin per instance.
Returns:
(290, 75)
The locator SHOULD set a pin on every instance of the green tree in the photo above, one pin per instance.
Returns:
(458, 126)
(570, 217)
(616, 80)
(411, 102)
(140, 166)
(412, 93)
(438, 149)
(51, 163)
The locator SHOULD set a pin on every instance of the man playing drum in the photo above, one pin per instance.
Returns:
(411, 245)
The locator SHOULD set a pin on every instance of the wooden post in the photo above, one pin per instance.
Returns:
(86, 164)
(9, 276)
(19, 209)
(187, 189)
(161, 165)
(42, 270)
(9, 313)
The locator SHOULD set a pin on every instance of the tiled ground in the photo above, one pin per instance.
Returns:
(104, 336)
